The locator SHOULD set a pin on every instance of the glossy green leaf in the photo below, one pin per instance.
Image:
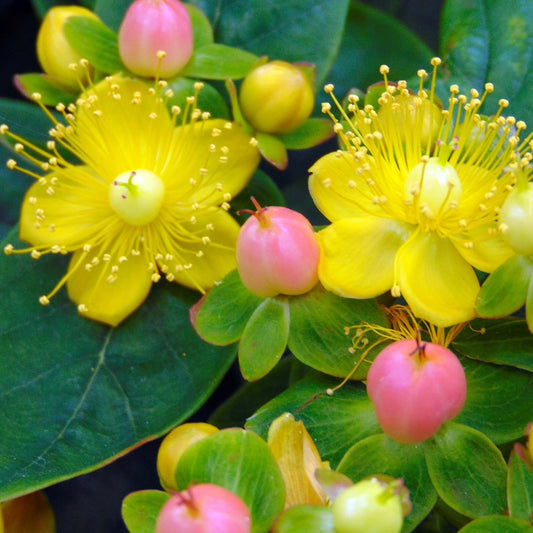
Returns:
(334, 422)
(209, 99)
(218, 62)
(222, 316)
(112, 13)
(504, 342)
(94, 41)
(497, 524)
(305, 518)
(318, 338)
(76, 394)
(201, 27)
(505, 290)
(241, 462)
(467, 470)
(364, 48)
(272, 149)
(380, 455)
(519, 488)
(311, 133)
(292, 31)
(264, 338)
(51, 93)
(485, 41)
(499, 400)
(140, 510)
(251, 396)
(42, 6)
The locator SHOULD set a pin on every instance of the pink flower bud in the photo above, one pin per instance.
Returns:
(151, 27)
(277, 252)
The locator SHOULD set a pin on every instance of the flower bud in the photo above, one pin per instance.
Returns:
(54, 52)
(516, 219)
(276, 97)
(173, 446)
(155, 31)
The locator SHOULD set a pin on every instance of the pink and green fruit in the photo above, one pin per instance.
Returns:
(415, 387)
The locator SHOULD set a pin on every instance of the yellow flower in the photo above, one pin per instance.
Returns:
(298, 458)
(413, 198)
(148, 197)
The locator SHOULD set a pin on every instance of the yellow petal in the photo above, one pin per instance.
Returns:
(105, 301)
(357, 255)
(487, 253)
(196, 149)
(298, 458)
(74, 211)
(437, 283)
(201, 265)
(335, 187)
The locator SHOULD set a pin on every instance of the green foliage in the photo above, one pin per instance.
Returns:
(305, 518)
(50, 92)
(497, 524)
(241, 462)
(140, 510)
(520, 488)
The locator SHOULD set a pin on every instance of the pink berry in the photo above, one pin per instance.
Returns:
(415, 388)
(151, 27)
(204, 508)
(277, 252)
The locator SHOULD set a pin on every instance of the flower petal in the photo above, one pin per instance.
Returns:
(68, 217)
(357, 255)
(334, 186)
(488, 251)
(298, 458)
(200, 265)
(108, 302)
(437, 283)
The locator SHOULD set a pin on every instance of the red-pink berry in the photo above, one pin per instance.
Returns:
(415, 387)
(277, 252)
(204, 508)
(151, 27)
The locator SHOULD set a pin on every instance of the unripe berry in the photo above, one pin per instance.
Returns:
(204, 508)
(276, 97)
(370, 506)
(54, 52)
(277, 252)
(415, 388)
(151, 28)
(516, 219)
(173, 446)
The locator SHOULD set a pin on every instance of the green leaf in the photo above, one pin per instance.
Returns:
(50, 91)
(272, 149)
(94, 41)
(485, 41)
(218, 62)
(264, 338)
(364, 48)
(334, 422)
(112, 13)
(499, 400)
(504, 342)
(140, 510)
(77, 394)
(292, 31)
(519, 488)
(380, 455)
(497, 524)
(241, 462)
(223, 314)
(467, 470)
(251, 396)
(201, 27)
(305, 518)
(209, 99)
(311, 133)
(505, 290)
(42, 6)
(318, 338)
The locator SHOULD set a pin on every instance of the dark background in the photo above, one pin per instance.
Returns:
(91, 503)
